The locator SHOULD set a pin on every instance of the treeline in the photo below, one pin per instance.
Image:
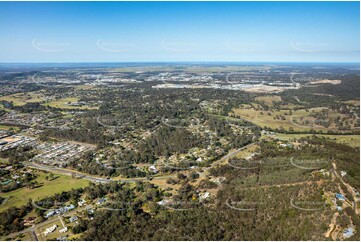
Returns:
(349, 89)
(11, 220)
(144, 219)
(81, 135)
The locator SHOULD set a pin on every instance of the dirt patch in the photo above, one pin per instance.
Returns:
(10, 139)
(264, 89)
(322, 94)
(326, 81)
(332, 227)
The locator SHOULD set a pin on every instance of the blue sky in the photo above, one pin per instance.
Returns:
(179, 31)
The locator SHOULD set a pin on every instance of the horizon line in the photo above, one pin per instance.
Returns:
(141, 62)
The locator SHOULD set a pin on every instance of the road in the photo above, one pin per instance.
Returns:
(69, 172)
(349, 188)
(298, 85)
(64, 171)
(92, 178)
(235, 152)
(280, 185)
(42, 224)
(229, 155)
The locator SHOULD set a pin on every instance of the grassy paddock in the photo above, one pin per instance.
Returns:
(247, 152)
(351, 140)
(266, 118)
(269, 99)
(60, 184)
(19, 99)
(64, 103)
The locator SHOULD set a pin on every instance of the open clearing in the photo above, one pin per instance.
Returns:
(19, 99)
(60, 184)
(290, 118)
(4, 161)
(247, 152)
(6, 127)
(352, 102)
(326, 81)
(266, 118)
(65, 103)
(351, 140)
(269, 99)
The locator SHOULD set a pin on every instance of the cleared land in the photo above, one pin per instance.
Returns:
(61, 183)
(351, 140)
(290, 119)
(19, 99)
(4, 161)
(352, 102)
(269, 99)
(6, 127)
(66, 103)
(326, 81)
(248, 151)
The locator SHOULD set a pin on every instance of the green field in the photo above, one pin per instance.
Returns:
(4, 161)
(6, 127)
(269, 99)
(267, 118)
(23, 237)
(64, 103)
(21, 196)
(351, 140)
(19, 99)
(248, 151)
(262, 118)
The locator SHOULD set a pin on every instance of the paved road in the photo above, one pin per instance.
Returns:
(92, 178)
(229, 155)
(66, 172)
(98, 179)
(291, 78)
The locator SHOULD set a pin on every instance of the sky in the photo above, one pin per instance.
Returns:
(33, 32)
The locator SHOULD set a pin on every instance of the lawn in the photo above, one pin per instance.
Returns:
(52, 236)
(24, 237)
(62, 183)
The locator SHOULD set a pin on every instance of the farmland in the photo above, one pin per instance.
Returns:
(297, 120)
(352, 140)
